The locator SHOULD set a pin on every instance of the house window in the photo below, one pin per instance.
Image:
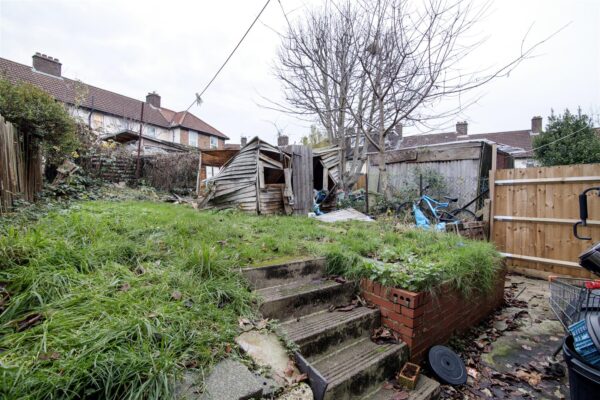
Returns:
(193, 139)
(151, 131)
(211, 171)
(214, 142)
(177, 136)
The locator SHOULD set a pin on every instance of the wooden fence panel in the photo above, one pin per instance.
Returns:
(534, 210)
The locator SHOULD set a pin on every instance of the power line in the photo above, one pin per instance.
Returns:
(199, 96)
(552, 142)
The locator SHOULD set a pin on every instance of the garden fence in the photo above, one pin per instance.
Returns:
(20, 167)
(534, 210)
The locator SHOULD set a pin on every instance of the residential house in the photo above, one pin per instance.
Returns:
(110, 113)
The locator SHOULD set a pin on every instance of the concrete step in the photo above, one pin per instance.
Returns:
(357, 366)
(318, 332)
(305, 270)
(297, 299)
(427, 389)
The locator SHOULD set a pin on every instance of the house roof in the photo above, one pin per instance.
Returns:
(519, 142)
(66, 91)
(127, 136)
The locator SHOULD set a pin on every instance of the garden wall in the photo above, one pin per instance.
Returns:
(423, 319)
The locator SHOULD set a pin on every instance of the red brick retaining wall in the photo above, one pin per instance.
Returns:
(423, 319)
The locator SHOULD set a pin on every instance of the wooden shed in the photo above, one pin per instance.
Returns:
(464, 166)
(257, 179)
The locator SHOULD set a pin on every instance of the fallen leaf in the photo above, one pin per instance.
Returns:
(525, 347)
(487, 392)
(176, 295)
(228, 348)
(472, 372)
(125, 287)
(262, 324)
(388, 385)
(245, 324)
(400, 396)
(290, 369)
(300, 378)
(189, 303)
(140, 270)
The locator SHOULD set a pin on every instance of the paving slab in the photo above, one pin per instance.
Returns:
(266, 350)
(232, 380)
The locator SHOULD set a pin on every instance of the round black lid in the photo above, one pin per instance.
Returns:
(447, 366)
(592, 322)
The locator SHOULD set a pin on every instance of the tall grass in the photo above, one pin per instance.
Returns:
(101, 276)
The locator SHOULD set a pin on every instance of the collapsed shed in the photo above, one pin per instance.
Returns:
(257, 179)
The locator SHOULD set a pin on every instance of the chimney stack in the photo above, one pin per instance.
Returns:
(536, 125)
(243, 141)
(154, 99)
(46, 64)
(461, 128)
(399, 131)
(282, 140)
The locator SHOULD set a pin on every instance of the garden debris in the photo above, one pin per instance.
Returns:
(176, 295)
(348, 214)
(247, 325)
(125, 287)
(347, 307)
(49, 356)
(409, 375)
(383, 335)
(491, 372)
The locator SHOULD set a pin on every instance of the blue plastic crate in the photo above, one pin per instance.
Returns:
(583, 343)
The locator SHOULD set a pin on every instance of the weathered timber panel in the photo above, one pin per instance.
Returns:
(534, 214)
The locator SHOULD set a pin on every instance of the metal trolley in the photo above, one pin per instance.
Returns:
(572, 299)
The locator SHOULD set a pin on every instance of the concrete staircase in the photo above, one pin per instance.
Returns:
(335, 344)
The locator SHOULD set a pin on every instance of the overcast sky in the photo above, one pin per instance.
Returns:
(174, 47)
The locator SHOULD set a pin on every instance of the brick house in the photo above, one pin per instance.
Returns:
(109, 113)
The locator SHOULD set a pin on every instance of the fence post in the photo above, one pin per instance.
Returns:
(491, 185)
(199, 178)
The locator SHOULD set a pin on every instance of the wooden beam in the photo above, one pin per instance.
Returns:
(508, 218)
(563, 263)
(570, 179)
(199, 178)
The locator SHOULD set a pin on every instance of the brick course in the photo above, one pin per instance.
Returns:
(426, 319)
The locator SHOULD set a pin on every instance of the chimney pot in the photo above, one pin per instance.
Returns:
(536, 125)
(46, 64)
(153, 98)
(243, 141)
(462, 128)
(283, 140)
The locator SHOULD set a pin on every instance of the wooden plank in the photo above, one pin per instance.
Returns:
(544, 220)
(541, 260)
(261, 175)
(570, 179)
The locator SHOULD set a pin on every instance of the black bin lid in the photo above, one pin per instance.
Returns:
(447, 366)
(590, 259)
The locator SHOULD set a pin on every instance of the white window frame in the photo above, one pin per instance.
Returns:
(214, 142)
(194, 135)
(211, 172)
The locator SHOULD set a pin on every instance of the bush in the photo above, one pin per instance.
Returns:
(39, 117)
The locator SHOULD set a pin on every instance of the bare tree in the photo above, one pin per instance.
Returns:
(370, 66)
(321, 73)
